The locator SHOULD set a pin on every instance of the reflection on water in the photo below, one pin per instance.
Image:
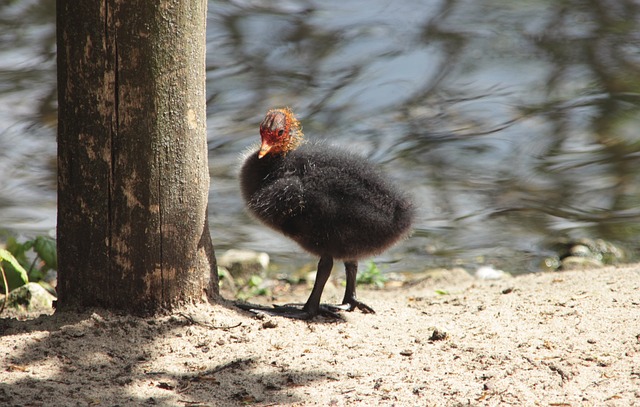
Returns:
(513, 124)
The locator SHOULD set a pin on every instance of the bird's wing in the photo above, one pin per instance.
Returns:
(279, 201)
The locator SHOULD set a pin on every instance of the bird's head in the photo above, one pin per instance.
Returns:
(280, 132)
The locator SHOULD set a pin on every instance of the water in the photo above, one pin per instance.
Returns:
(512, 124)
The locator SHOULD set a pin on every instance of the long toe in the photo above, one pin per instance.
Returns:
(297, 312)
(293, 311)
(355, 304)
(350, 306)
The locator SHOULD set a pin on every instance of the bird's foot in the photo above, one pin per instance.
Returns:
(293, 311)
(323, 310)
(352, 305)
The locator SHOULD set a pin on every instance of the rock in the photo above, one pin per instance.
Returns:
(490, 273)
(30, 297)
(585, 253)
(550, 264)
(580, 263)
(580, 250)
(226, 282)
(438, 335)
(244, 263)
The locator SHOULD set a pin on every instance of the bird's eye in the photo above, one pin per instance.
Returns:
(280, 132)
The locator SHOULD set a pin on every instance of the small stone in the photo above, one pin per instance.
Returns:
(30, 297)
(580, 250)
(438, 335)
(550, 264)
(406, 352)
(244, 263)
(270, 323)
(490, 273)
(580, 263)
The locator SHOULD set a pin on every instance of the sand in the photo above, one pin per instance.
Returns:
(549, 339)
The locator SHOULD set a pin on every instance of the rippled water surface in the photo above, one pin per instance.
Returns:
(512, 124)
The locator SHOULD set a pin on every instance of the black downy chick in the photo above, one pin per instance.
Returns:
(333, 203)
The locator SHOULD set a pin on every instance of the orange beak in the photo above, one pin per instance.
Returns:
(264, 149)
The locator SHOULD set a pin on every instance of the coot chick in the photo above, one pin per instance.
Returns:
(333, 203)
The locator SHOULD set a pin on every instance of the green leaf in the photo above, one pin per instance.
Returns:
(18, 250)
(27, 245)
(45, 247)
(255, 281)
(37, 274)
(16, 274)
(372, 275)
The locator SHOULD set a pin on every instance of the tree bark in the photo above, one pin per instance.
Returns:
(133, 177)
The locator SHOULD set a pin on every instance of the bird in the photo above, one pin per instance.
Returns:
(332, 202)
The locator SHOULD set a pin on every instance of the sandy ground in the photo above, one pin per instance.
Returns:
(549, 339)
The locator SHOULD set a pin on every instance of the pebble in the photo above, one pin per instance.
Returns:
(490, 273)
(244, 263)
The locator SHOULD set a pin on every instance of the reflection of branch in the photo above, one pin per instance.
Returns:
(455, 44)
(567, 213)
(586, 101)
(459, 134)
(500, 127)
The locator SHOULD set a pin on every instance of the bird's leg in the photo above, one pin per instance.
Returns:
(349, 302)
(312, 306)
(325, 265)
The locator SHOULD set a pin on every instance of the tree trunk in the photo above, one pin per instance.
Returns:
(133, 178)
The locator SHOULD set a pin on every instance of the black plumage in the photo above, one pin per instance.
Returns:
(333, 203)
